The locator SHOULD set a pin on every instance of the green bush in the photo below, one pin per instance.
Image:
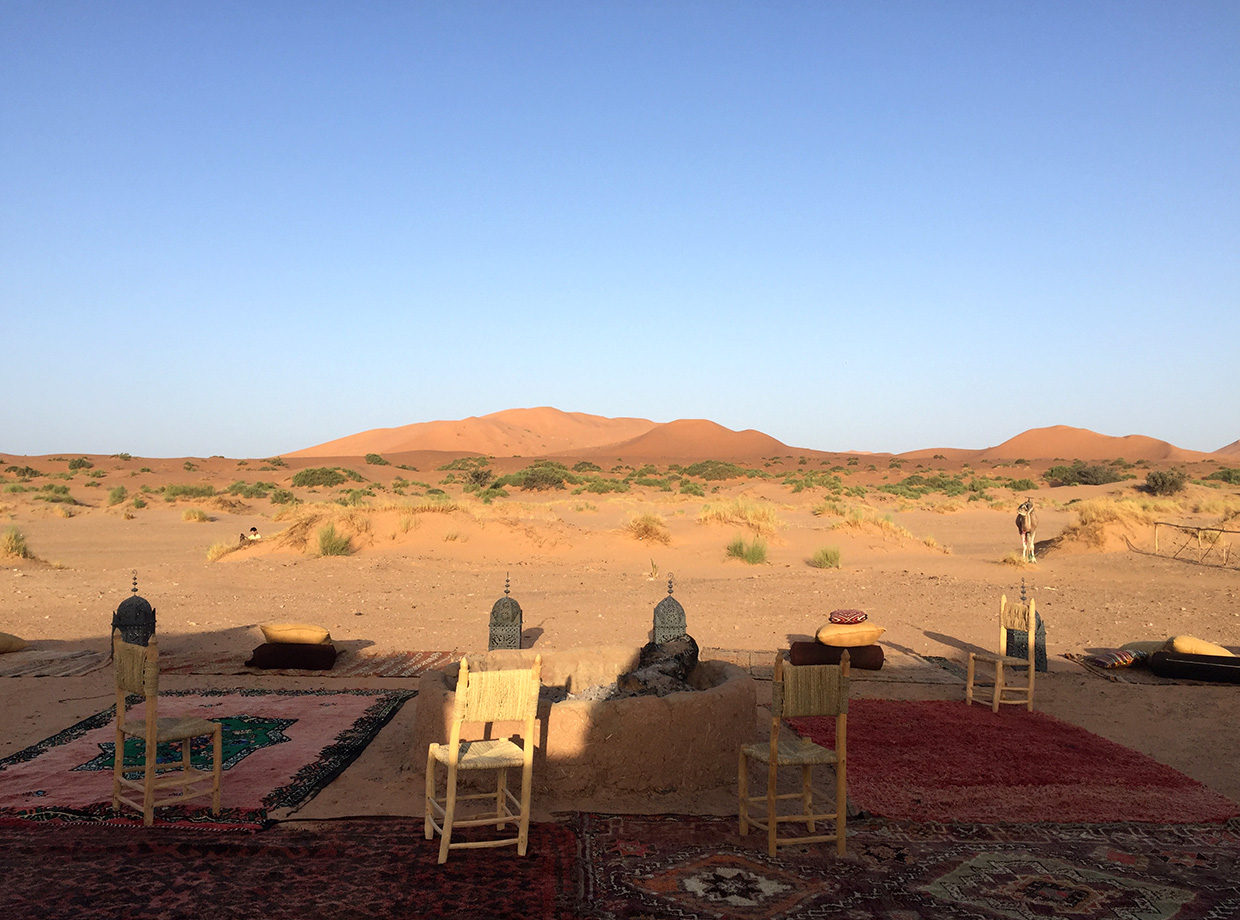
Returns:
(753, 553)
(461, 463)
(1226, 475)
(1165, 482)
(333, 543)
(689, 487)
(247, 490)
(1023, 485)
(828, 557)
(282, 497)
(23, 472)
(117, 495)
(139, 501)
(80, 463)
(585, 466)
(717, 469)
(376, 460)
(538, 476)
(318, 476)
(173, 492)
(55, 493)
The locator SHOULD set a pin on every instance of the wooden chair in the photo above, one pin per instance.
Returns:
(137, 672)
(486, 696)
(805, 690)
(1020, 617)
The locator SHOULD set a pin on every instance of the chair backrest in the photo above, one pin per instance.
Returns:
(136, 666)
(1020, 617)
(809, 689)
(497, 696)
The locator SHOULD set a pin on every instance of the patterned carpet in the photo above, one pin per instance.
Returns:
(598, 867)
(280, 748)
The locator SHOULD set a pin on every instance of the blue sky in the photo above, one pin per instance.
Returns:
(244, 229)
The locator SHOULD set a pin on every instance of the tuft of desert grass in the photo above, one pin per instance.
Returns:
(866, 519)
(13, 544)
(761, 519)
(825, 557)
(195, 516)
(221, 549)
(649, 527)
(829, 506)
(752, 553)
(332, 542)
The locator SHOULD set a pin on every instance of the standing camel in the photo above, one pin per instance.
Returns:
(1027, 524)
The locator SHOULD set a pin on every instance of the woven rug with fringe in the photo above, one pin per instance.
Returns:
(605, 867)
(940, 760)
(280, 748)
(350, 663)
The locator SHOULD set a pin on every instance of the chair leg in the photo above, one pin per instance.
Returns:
(449, 814)
(841, 806)
(217, 754)
(527, 782)
(994, 706)
(148, 784)
(968, 681)
(772, 825)
(501, 787)
(807, 794)
(428, 821)
(742, 786)
(118, 767)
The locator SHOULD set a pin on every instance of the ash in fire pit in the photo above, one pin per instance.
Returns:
(662, 668)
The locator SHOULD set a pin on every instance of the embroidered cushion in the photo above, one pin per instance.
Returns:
(847, 635)
(1116, 658)
(1188, 645)
(295, 633)
(847, 616)
(10, 643)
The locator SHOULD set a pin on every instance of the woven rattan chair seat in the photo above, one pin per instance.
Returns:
(798, 752)
(484, 755)
(170, 728)
(1005, 659)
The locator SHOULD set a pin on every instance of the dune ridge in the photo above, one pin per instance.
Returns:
(547, 432)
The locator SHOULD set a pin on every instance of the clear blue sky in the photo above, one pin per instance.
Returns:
(247, 228)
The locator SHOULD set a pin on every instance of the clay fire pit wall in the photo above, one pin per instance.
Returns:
(682, 742)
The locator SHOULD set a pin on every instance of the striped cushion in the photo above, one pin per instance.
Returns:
(847, 615)
(1116, 658)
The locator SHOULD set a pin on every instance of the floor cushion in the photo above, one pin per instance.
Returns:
(311, 657)
(298, 633)
(863, 657)
(1190, 645)
(849, 635)
(10, 643)
(847, 616)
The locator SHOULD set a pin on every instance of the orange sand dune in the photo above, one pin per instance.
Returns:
(520, 432)
(1067, 443)
(1232, 448)
(698, 438)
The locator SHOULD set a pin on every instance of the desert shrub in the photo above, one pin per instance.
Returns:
(752, 553)
(123, 455)
(23, 472)
(1079, 473)
(80, 463)
(826, 557)
(599, 485)
(538, 476)
(376, 460)
(189, 466)
(220, 549)
(829, 507)
(689, 487)
(282, 497)
(13, 544)
(585, 466)
(318, 476)
(334, 543)
(355, 496)
(173, 492)
(1022, 485)
(55, 493)
(1165, 482)
(247, 490)
(139, 501)
(1226, 475)
(760, 518)
(18, 487)
(649, 527)
(716, 469)
(117, 495)
(463, 463)
(195, 515)
(478, 478)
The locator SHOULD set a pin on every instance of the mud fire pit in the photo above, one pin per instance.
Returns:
(682, 742)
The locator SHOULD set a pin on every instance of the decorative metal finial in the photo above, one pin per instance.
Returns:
(669, 584)
(505, 584)
(134, 589)
(1023, 598)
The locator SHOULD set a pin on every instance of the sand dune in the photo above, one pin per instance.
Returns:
(696, 438)
(1232, 448)
(513, 432)
(1067, 443)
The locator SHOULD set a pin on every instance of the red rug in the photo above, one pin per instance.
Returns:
(937, 760)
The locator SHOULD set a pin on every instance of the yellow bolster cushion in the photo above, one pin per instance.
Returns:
(9, 643)
(849, 635)
(295, 633)
(1149, 646)
(1188, 645)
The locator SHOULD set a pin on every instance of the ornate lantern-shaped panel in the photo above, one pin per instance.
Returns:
(669, 619)
(505, 629)
(135, 618)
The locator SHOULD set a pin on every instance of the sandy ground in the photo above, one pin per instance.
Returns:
(426, 580)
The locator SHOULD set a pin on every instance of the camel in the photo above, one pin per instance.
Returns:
(1027, 524)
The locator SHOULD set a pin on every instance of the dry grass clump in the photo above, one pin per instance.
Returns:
(1225, 506)
(761, 519)
(195, 516)
(13, 544)
(829, 506)
(1097, 519)
(649, 527)
(865, 519)
(221, 549)
(752, 553)
(826, 557)
(334, 543)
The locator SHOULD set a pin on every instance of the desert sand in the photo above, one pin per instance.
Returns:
(427, 559)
